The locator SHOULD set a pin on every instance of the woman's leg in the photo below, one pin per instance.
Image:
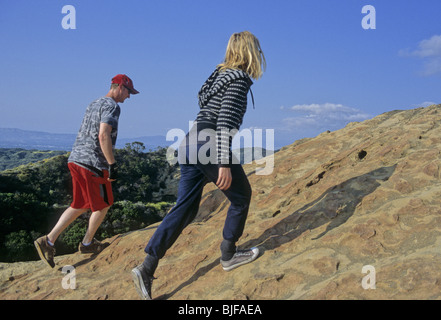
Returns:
(190, 190)
(239, 195)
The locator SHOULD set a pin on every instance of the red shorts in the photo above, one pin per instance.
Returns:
(90, 191)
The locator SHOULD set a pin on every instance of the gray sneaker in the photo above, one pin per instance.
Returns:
(143, 282)
(240, 257)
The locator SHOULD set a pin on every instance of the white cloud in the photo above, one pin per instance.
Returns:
(429, 48)
(316, 118)
(321, 108)
(430, 51)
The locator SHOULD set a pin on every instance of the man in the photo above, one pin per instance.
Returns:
(93, 167)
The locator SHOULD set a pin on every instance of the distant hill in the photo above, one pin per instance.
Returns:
(37, 140)
(14, 157)
(17, 138)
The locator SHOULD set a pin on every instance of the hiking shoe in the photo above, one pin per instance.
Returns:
(95, 247)
(45, 251)
(240, 257)
(143, 282)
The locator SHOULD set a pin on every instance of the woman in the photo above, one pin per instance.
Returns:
(205, 156)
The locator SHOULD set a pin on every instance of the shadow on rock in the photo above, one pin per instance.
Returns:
(334, 207)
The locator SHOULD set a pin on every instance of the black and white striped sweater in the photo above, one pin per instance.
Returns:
(223, 103)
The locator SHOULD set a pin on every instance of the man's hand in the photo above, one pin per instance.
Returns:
(224, 178)
(113, 172)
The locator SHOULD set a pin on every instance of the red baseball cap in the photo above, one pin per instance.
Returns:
(126, 82)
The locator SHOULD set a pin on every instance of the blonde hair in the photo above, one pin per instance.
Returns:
(244, 53)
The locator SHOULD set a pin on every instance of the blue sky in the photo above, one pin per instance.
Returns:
(324, 70)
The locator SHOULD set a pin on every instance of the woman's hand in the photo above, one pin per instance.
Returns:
(224, 178)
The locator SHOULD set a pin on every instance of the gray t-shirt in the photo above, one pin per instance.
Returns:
(86, 149)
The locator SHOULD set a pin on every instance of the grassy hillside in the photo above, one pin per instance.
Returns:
(14, 157)
(33, 196)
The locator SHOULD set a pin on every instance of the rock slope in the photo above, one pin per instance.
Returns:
(366, 196)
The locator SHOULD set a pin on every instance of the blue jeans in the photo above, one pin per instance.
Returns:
(193, 179)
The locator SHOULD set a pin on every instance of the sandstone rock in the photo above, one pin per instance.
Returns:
(368, 194)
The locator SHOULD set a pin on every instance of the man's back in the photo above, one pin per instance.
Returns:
(86, 149)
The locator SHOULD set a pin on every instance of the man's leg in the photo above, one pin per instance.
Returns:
(95, 221)
(100, 198)
(45, 244)
(68, 216)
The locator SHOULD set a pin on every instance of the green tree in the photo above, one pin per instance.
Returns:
(19, 246)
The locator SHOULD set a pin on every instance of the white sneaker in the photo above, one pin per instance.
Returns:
(241, 257)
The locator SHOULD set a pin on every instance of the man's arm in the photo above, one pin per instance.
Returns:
(106, 142)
